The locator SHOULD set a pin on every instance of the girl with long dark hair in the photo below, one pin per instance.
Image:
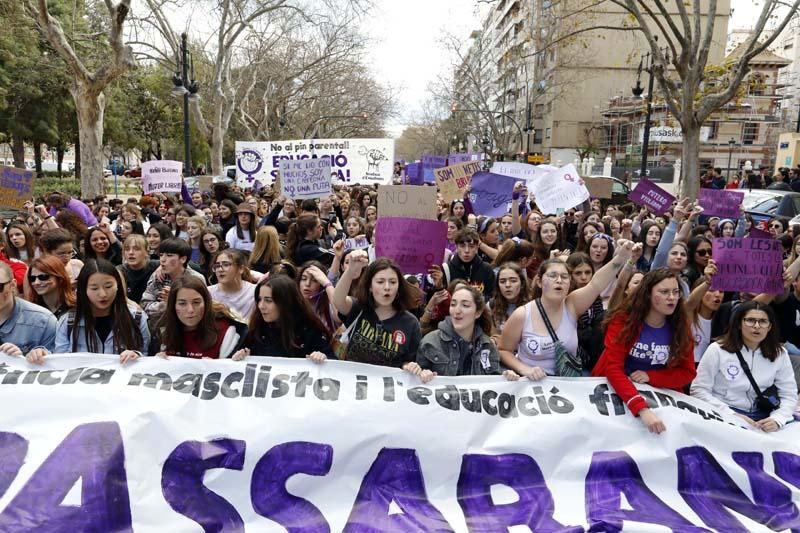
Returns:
(284, 325)
(155, 234)
(317, 290)
(22, 245)
(648, 340)
(103, 321)
(510, 292)
(243, 235)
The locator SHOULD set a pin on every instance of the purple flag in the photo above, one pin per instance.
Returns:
(491, 193)
(187, 198)
(648, 194)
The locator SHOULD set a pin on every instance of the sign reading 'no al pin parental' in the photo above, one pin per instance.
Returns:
(161, 176)
(16, 186)
(648, 194)
(748, 265)
(306, 178)
(454, 180)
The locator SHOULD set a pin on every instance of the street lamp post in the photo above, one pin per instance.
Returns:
(455, 109)
(186, 87)
(486, 143)
(731, 144)
(646, 63)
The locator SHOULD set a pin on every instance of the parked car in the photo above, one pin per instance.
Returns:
(763, 204)
(193, 182)
(134, 172)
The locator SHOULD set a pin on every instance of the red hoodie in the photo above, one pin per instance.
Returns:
(612, 366)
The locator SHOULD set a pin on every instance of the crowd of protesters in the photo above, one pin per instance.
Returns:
(601, 289)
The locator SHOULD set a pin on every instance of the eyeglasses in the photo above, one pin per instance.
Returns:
(704, 252)
(775, 226)
(3, 285)
(69, 255)
(210, 241)
(40, 277)
(760, 322)
(222, 266)
(555, 275)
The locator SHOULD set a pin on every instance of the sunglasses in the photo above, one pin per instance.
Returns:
(775, 226)
(703, 253)
(3, 285)
(40, 277)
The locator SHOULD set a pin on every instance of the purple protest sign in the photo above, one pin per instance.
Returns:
(649, 195)
(756, 233)
(454, 159)
(434, 161)
(748, 265)
(414, 174)
(414, 244)
(491, 193)
(721, 203)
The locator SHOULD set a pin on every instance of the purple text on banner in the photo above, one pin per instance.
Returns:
(434, 161)
(414, 244)
(649, 195)
(491, 193)
(748, 265)
(721, 203)
(756, 233)
(414, 174)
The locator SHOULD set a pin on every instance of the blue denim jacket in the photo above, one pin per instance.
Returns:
(29, 326)
(63, 343)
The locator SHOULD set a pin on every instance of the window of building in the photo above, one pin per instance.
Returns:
(537, 136)
(538, 110)
(750, 133)
(624, 135)
(547, 133)
(713, 129)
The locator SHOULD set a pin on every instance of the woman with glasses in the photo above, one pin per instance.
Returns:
(699, 252)
(777, 227)
(61, 243)
(211, 242)
(648, 340)
(751, 345)
(233, 287)
(527, 345)
(49, 285)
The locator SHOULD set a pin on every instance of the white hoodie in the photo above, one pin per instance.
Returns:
(721, 381)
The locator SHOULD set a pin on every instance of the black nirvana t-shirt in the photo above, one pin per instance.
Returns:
(390, 342)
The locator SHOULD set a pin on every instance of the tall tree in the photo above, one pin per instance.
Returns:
(87, 86)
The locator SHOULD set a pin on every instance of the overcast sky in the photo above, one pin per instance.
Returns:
(407, 56)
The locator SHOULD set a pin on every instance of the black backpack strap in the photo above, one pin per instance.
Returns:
(546, 319)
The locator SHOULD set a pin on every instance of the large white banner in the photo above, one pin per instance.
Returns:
(278, 444)
(353, 160)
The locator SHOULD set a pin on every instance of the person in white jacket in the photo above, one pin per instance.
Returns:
(722, 379)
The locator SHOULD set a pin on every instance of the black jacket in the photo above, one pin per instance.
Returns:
(311, 251)
(269, 342)
(477, 273)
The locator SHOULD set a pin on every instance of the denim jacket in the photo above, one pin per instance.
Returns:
(68, 321)
(29, 326)
(440, 351)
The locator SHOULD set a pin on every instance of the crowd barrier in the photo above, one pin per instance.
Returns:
(271, 444)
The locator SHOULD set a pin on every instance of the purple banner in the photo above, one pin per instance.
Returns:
(454, 159)
(434, 161)
(414, 244)
(648, 194)
(491, 194)
(414, 174)
(748, 265)
(721, 203)
(756, 233)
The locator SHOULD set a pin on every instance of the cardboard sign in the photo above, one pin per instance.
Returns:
(558, 189)
(16, 187)
(491, 194)
(748, 265)
(205, 182)
(599, 187)
(306, 178)
(161, 176)
(454, 180)
(411, 201)
(721, 203)
(356, 244)
(414, 244)
(648, 194)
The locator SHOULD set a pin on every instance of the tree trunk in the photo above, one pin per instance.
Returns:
(18, 151)
(78, 157)
(37, 157)
(60, 157)
(217, 140)
(90, 108)
(690, 162)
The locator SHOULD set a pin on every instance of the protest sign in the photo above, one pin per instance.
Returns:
(356, 244)
(414, 244)
(756, 233)
(558, 189)
(648, 194)
(453, 181)
(353, 160)
(434, 161)
(748, 265)
(16, 187)
(205, 182)
(454, 159)
(161, 176)
(522, 171)
(721, 203)
(412, 201)
(305, 178)
(491, 193)
(414, 174)
(286, 445)
(599, 187)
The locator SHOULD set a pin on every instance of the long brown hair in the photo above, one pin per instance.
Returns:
(207, 330)
(499, 303)
(50, 264)
(298, 231)
(403, 301)
(30, 243)
(126, 333)
(294, 311)
(635, 310)
(483, 318)
(513, 250)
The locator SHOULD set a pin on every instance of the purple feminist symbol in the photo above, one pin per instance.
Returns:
(250, 163)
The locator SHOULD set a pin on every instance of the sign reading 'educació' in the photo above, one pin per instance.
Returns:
(283, 444)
